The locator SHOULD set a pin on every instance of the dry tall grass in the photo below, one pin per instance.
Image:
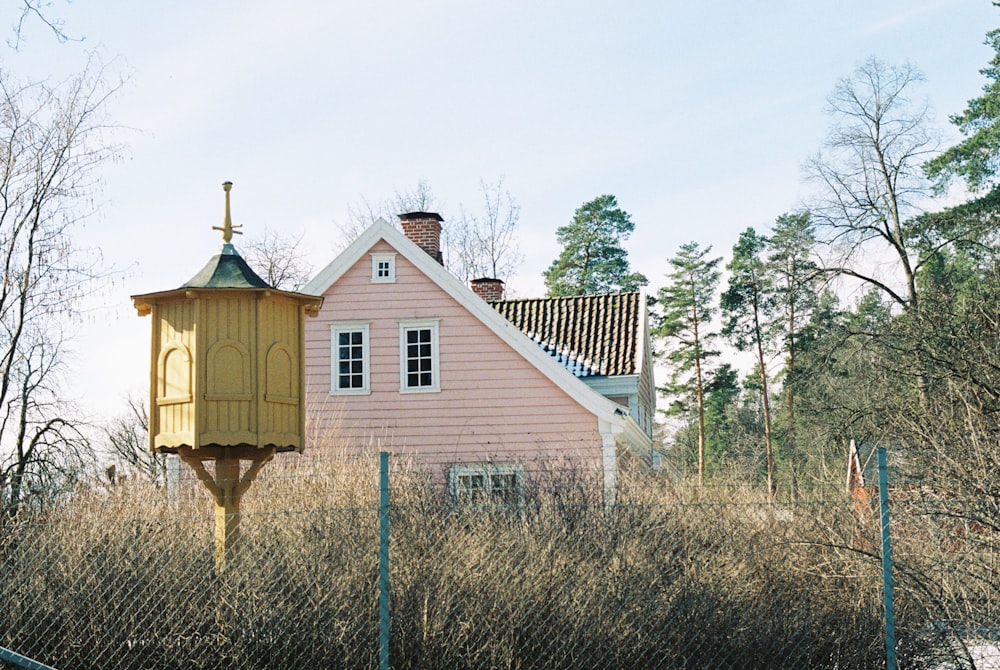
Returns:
(124, 579)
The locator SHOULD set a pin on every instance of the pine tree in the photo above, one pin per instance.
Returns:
(747, 305)
(795, 279)
(592, 259)
(687, 304)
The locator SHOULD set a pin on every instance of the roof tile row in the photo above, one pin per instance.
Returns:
(589, 334)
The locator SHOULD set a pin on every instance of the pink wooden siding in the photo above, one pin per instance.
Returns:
(493, 405)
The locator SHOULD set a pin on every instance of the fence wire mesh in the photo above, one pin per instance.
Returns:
(665, 578)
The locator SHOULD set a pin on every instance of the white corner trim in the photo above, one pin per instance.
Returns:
(642, 336)
(609, 458)
(329, 275)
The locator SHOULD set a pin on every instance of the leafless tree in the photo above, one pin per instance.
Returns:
(36, 10)
(485, 244)
(128, 442)
(53, 138)
(51, 453)
(278, 259)
(366, 212)
(870, 179)
(482, 244)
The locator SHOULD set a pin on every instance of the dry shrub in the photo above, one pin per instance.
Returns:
(665, 578)
(559, 583)
(125, 578)
(947, 576)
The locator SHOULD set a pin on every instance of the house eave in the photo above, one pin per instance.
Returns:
(636, 438)
(628, 433)
(613, 384)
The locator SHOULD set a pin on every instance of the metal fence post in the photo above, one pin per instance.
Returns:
(23, 661)
(890, 617)
(383, 561)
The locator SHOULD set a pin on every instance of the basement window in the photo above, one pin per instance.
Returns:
(487, 484)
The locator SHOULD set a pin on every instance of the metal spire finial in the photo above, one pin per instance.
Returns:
(227, 226)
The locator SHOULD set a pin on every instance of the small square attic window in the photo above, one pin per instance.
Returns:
(384, 267)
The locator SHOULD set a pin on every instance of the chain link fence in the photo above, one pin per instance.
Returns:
(124, 578)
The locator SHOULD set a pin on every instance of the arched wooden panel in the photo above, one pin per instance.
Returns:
(228, 371)
(280, 375)
(174, 371)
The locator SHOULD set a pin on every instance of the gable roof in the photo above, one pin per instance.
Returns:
(612, 416)
(588, 334)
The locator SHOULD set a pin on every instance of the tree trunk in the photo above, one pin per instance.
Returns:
(790, 402)
(765, 401)
(700, 395)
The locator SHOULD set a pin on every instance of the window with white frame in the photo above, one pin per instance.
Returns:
(349, 360)
(419, 368)
(384, 267)
(498, 484)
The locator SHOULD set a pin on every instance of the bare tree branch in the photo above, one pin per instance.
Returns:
(870, 182)
(485, 245)
(278, 259)
(128, 443)
(37, 10)
(52, 140)
(366, 212)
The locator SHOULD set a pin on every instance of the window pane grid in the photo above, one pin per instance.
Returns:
(383, 268)
(350, 360)
(419, 358)
(487, 485)
(503, 488)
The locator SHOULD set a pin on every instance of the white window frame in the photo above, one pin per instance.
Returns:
(336, 329)
(384, 257)
(404, 328)
(488, 472)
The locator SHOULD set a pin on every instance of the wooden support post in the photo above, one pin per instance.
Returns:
(227, 488)
(227, 510)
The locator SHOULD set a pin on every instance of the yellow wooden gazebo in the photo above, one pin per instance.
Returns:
(226, 376)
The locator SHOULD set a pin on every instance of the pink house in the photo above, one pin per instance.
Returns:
(485, 393)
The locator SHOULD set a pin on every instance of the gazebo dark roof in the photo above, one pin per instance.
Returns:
(226, 270)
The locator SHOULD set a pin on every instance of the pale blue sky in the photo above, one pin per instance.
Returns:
(696, 115)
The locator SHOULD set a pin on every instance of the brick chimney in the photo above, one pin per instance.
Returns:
(424, 230)
(488, 289)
